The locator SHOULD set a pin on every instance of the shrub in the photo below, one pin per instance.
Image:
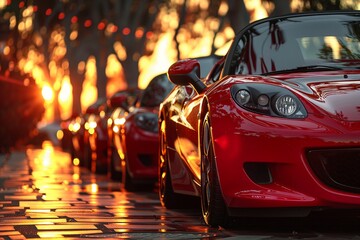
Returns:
(21, 108)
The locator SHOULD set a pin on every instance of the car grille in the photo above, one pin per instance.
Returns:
(337, 168)
(146, 159)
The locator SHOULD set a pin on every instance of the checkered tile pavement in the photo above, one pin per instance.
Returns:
(42, 195)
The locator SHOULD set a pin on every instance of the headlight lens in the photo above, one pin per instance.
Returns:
(268, 100)
(286, 105)
(243, 96)
(147, 121)
(263, 100)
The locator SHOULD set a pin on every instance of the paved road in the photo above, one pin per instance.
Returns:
(43, 196)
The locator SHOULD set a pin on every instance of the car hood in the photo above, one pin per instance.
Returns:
(336, 94)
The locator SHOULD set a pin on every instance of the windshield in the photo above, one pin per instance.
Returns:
(294, 43)
(157, 90)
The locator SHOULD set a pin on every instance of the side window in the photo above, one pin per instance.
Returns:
(215, 73)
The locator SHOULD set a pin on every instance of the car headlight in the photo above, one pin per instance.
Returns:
(243, 96)
(147, 121)
(268, 100)
(286, 105)
(75, 127)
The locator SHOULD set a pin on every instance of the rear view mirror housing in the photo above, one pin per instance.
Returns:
(186, 72)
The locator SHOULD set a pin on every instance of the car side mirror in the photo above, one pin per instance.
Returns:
(119, 100)
(186, 72)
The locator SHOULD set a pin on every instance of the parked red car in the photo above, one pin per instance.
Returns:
(73, 135)
(136, 136)
(274, 128)
(64, 135)
(97, 135)
(86, 146)
(121, 103)
(136, 140)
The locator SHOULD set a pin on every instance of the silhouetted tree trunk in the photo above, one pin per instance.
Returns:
(133, 15)
(182, 17)
(316, 5)
(281, 7)
(238, 15)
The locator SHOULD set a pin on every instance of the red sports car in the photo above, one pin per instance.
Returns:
(121, 103)
(97, 128)
(95, 137)
(274, 129)
(136, 140)
(76, 126)
(136, 137)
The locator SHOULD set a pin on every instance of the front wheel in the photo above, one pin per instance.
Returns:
(114, 165)
(127, 180)
(213, 206)
(87, 156)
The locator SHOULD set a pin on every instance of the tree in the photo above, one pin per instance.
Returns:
(66, 34)
(322, 5)
(281, 7)
(99, 25)
(238, 15)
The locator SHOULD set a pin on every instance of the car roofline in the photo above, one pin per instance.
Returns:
(281, 17)
(299, 14)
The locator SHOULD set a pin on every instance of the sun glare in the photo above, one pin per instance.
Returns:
(256, 9)
(164, 54)
(65, 98)
(3, 3)
(115, 74)
(89, 93)
(47, 93)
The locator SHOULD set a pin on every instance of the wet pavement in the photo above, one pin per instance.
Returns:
(42, 195)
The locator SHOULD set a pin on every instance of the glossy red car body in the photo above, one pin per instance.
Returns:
(137, 141)
(121, 103)
(95, 137)
(266, 135)
(97, 133)
(76, 127)
(136, 138)
(141, 148)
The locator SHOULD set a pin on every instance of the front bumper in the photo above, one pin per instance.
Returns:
(283, 148)
(142, 153)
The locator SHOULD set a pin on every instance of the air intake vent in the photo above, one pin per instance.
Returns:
(258, 172)
(337, 168)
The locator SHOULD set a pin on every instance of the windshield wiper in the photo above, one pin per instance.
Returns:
(310, 68)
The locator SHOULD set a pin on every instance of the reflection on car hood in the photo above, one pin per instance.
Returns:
(337, 94)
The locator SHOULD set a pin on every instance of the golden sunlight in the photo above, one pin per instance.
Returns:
(47, 93)
(3, 3)
(256, 9)
(65, 98)
(164, 54)
(115, 74)
(89, 93)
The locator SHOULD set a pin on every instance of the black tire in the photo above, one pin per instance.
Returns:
(168, 198)
(87, 156)
(213, 206)
(114, 174)
(72, 154)
(127, 181)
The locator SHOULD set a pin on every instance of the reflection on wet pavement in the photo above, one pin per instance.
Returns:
(42, 195)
